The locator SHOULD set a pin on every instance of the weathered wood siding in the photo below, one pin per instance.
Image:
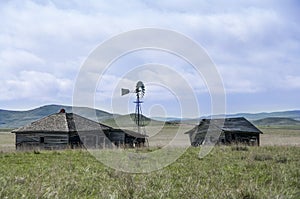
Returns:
(242, 137)
(41, 141)
(132, 141)
(95, 140)
(121, 139)
(87, 139)
(116, 136)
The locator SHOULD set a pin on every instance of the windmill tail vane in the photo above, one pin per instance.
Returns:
(124, 91)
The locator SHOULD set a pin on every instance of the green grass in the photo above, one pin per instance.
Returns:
(227, 172)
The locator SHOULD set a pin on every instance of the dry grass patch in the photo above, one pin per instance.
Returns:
(259, 172)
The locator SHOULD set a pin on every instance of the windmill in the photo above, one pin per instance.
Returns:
(140, 92)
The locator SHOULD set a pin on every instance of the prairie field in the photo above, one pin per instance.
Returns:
(280, 136)
(7, 141)
(269, 171)
(227, 172)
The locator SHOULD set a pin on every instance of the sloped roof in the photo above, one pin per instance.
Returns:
(69, 122)
(62, 122)
(238, 124)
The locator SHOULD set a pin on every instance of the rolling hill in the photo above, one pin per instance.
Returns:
(294, 114)
(128, 121)
(276, 121)
(15, 119)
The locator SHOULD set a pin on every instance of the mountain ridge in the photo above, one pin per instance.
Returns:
(276, 121)
(15, 119)
(294, 114)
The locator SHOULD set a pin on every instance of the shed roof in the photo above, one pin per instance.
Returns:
(62, 122)
(238, 124)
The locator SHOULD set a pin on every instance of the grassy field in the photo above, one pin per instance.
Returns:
(278, 136)
(228, 172)
(269, 171)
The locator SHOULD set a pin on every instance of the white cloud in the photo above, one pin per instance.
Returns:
(253, 43)
(242, 79)
(290, 82)
(17, 58)
(35, 85)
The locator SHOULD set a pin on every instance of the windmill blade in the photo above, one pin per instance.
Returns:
(140, 88)
(124, 91)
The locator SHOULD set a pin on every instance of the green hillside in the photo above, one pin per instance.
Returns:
(129, 121)
(295, 114)
(276, 121)
(15, 119)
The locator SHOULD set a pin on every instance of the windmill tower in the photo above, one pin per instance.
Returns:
(138, 116)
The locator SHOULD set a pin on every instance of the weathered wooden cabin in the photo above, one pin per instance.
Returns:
(233, 131)
(125, 138)
(68, 130)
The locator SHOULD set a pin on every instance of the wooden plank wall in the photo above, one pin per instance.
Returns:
(41, 141)
(95, 141)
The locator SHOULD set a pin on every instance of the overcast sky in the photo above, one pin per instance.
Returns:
(255, 46)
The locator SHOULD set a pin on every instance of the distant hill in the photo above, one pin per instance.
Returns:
(129, 121)
(166, 119)
(15, 119)
(276, 121)
(295, 114)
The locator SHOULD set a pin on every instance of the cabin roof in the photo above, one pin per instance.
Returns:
(238, 124)
(62, 122)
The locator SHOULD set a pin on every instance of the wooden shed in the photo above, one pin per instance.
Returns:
(68, 130)
(233, 130)
(126, 138)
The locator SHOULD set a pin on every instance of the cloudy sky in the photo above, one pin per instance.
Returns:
(255, 46)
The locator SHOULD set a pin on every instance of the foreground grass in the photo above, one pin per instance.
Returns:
(228, 172)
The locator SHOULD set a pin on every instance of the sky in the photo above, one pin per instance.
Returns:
(254, 45)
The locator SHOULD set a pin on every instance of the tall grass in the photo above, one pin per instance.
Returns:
(255, 172)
